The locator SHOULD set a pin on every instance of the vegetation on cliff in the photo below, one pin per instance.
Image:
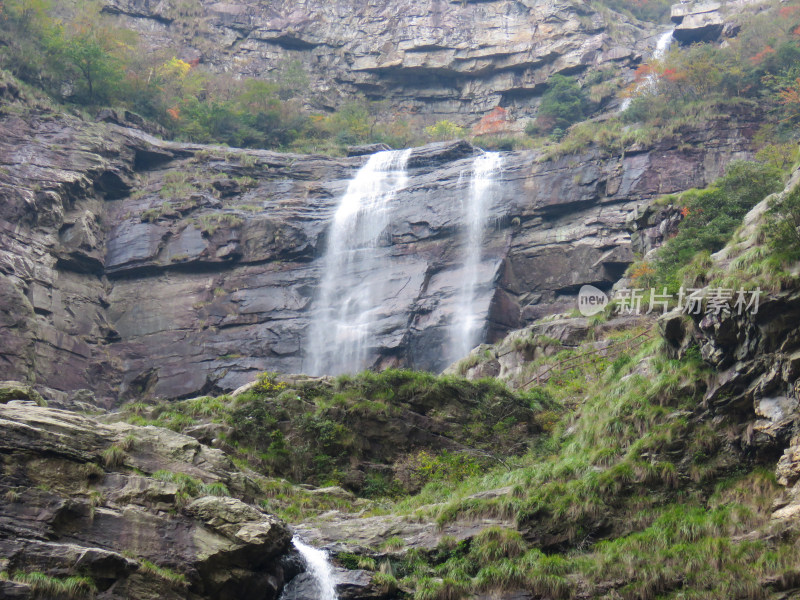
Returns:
(76, 54)
(379, 434)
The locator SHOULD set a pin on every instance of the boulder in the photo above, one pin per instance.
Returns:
(108, 500)
(14, 390)
(697, 22)
(366, 149)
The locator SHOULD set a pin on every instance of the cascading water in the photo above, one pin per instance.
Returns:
(648, 84)
(318, 566)
(351, 291)
(467, 323)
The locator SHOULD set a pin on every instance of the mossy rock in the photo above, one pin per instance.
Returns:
(15, 390)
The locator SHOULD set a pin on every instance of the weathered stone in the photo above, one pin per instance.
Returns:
(70, 509)
(366, 149)
(203, 297)
(14, 390)
(446, 60)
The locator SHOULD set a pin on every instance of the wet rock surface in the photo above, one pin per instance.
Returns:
(132, 266)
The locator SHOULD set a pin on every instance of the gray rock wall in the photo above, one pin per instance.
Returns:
(432, 59)
(129, 265)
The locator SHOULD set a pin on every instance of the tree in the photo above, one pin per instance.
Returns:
(95, 53)
(563, 104)
(444, 130)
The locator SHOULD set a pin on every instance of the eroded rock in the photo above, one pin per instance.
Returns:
(100, 500)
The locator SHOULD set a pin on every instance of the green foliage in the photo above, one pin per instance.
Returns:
(114, 456)
(612, 499)
(173, 578)
(214, 489)
(210, 222)
(711, 217)
(418, 469)
(45, 586)
(444, 130)
(315, 431)
(190, 487)
(495, 543)
(783, 226)
(563, 104)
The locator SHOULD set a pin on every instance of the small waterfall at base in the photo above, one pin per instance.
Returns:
(648, 84)
(320, 569)
(467, 325)
(349, 298)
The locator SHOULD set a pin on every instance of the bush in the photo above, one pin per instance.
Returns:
(563, 104)
(783, 226)
(711, 216)
(444, 130)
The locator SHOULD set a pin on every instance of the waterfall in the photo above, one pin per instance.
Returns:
(319, 568)
(467, 324)
(648, 84)
(350, 295)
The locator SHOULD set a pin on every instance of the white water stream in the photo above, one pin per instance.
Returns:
(648, 84)
(320, 569)
(467, 325)
(350, 295)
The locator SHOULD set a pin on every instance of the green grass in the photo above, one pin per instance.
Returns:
(314, 432)
(46, 586)
(633, 495)
(114, 456)
(173, 578)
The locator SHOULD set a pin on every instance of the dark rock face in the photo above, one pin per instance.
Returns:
(350, 585)
(697, 21)
(68, 509)
(129, 265)
(440, 59)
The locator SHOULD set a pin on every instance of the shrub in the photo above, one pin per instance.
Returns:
(711, 216)
(444, 130)
(114, 456)
(783, 226)
(46, 586)
(172, 577)
(563, 104)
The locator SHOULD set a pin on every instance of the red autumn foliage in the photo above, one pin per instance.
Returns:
(672, 75)
(685, 211)
(492, 123)
(790, 95)
(644, 71)
(174, 112)
(760, 56)
(787, 11)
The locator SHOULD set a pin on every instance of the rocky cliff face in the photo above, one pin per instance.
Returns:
(433, 58)
(131, 265)
(139, 512)
(755, 354)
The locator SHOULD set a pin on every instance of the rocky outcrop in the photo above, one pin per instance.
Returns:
(429, 60)
(710, 20)
(697, 22)
(135, 266)
(351, 584)
(513, 359)
(352, 533)
(755, 352)
(113, 502)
